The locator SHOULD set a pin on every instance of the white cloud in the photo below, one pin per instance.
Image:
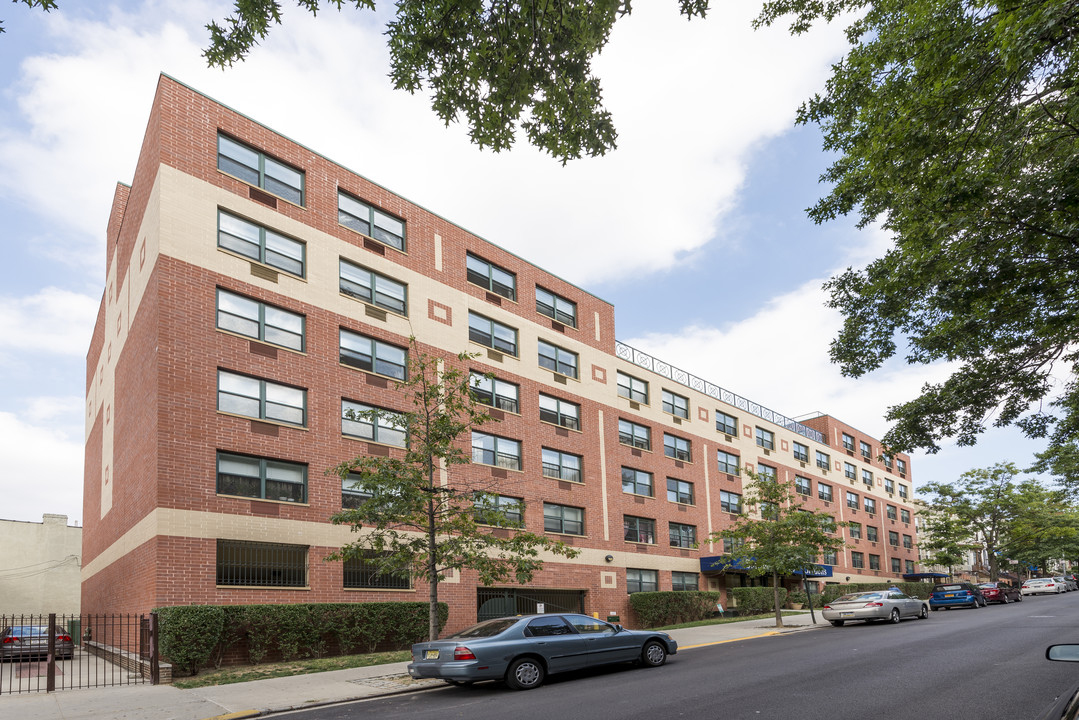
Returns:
(691, 101)
(52, 321)
(43, 467)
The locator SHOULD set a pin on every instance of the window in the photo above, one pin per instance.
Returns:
(352, 495)
(370, 221)
(871, 533)
(637, 482)
(726, 424)
(896, 564)
(684, 581)
(496, 451)
(494, 335)
(564, 466)
(824, 491)
(371, 423)
(551, 626)
(889, 485)
(823, 461)
(261, 478)
(727, 463)
(558, 359)
(494, 392)
(373, 288)
(874, 562)
(676, 447)
(256, 168)
(491, 277)
(641, 580)
(890, 510)
(366, 571)
(849, 471)
(556, 307)
(908, 542)
(867, 477)
(632, 388)
(901, 466)
(767, 472)
(730, 502)
(904, 515)
(563, 519)
(909, 564)
(260, 244)
(559, 412)
(675, 404)
(870, 505)
(639, 529)
(867, 451)
(498, 510)
(766, 439)
(857, 560)
(852, 500)
(730, 544)
(903, 491)
(256, 564)
(848, 442)
(375, 356)
(888, 461)
(683, 536)
(893, 538)
(630, 433)
(802, 485)
(855, 531)
(679, 491)
(261, 399)
(260, 321)
(769, 511)
(801, 452)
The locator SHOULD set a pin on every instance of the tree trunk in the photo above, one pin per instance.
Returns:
(775, 599)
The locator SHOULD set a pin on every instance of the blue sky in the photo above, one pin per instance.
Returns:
(694, 228)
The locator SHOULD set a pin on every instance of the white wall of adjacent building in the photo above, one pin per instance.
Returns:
(40, 566)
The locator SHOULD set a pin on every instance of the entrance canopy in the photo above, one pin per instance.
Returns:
(914, 577)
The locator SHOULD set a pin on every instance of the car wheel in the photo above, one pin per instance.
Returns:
(1005, 600)
(923, 614)
(653, 654)
(525, 673)
(1019, 598)
(836, 623)
(894, 617)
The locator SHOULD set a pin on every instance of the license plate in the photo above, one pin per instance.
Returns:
(948, 595)
(846, 614)
(430, 654)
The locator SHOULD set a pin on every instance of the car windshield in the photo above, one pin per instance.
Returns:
(29, 631)
(854, 597)
(987, 585)
(487, 628)
(1034, 582)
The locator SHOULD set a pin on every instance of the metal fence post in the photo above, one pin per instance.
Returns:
(155, 667)
(50, 666)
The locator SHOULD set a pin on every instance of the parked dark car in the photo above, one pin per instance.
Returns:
(1067, 705)
(24, 642)
(998, 592)
(523, 650)
(958, 594)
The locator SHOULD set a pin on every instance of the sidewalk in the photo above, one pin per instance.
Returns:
(250, 699)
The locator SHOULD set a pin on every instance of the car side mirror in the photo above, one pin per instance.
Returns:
(1063, 653)
(618, 628)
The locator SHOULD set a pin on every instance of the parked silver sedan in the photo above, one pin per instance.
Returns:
(874, 605)
(523, 650)
(24, 642)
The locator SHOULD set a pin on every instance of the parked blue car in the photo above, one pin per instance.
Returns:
(960, 594)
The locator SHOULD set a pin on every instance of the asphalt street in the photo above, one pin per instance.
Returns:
(957, 664)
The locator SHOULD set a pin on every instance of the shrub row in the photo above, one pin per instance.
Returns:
(757, 600)
(191, 636)
(914, 589)
(668, 607)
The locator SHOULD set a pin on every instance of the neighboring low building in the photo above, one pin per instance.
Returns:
(39, 566)
(257, 293)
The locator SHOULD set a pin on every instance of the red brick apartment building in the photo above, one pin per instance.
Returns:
(257, 290)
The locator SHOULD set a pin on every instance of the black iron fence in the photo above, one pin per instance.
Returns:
(44, 653)
(500, 602)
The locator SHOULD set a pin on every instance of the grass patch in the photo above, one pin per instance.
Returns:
(243, 673)
(723, 621)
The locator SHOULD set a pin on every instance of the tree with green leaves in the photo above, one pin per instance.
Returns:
(422, 512)
(956, 128)
(776, 536)
(944, 539)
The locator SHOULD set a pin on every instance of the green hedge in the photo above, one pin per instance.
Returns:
(668, 607)
(757, 600)
(914, 589)
(192, 635)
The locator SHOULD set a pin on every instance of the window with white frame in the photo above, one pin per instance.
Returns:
(261, 399)
(901, 466)
(368, 220)
(497, 451)
(259, 321)
(902, 491)
(367, 353)
(889, 485)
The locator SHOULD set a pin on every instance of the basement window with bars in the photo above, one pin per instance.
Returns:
(241, 563)
(368, 571)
